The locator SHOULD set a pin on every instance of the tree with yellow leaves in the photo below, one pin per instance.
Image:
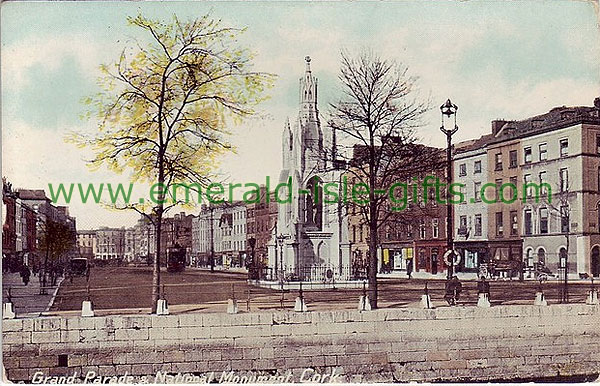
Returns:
(166, 107)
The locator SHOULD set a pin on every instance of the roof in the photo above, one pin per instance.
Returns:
(557, 118)
(32, 194)
(472, 144)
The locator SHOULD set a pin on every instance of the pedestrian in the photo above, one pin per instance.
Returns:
(483, 287)
(25, 274)
(409, 268)
(453, 290)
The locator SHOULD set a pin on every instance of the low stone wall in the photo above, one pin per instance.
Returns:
(458, 343)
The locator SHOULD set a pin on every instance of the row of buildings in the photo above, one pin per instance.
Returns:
(531, 199)
(26, 214)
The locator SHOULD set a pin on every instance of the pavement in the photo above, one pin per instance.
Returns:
(26, 298)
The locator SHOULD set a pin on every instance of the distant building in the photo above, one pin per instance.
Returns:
(261, 220)
(87, 243)
(110, 244)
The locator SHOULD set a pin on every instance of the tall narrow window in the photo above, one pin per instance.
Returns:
(436, 228)
(514, 226)
(498, 186)
(543, 220)
(477, 225)
(543, 148)
(422, 229)
(512, 159)
(528, 221)
(477, 191)
(477, 167)
(498, 161)
(563, 178)
(527, 155)
(462, 170)
(462, 225)
(564, 147)
(543, 180)
(527, 186)
(499, 224)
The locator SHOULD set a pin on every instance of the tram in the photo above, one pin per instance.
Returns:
(175, 259)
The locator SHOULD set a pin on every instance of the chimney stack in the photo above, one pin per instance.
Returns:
(497, 125)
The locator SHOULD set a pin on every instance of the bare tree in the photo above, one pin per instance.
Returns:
(378, 113)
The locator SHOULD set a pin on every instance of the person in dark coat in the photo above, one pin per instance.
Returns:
(453, 290)
(25, 274)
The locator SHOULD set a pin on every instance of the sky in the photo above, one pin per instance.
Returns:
(494, 59)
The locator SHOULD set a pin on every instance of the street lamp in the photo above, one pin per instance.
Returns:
(254, 269)
(448, 110)
(279, 271)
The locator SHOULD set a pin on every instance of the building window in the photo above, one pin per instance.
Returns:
(477, 191)
(527, 155)
(564, 179)
(498, 186)
(512, 159)
(564, 218)
(422, 229)
(543, 220)
(477, 167)
(462, 170)
(597, 143)
(498, 161)
(529, 257)
(436, 228)
(478, 225)
(514, 227)
(543, 147)
(542, 256)
(543, 180)
(528, 220)
(527, 181)
(462, 225)
(564, 147)
(499, 224)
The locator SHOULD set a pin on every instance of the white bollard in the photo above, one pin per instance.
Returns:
(426, 301)
(483, 301)
(592, 298)
(300, 305)
(363, 303)
(8, 311)
(232, 306)
(162, 308)
(86, 309)
(540, 299)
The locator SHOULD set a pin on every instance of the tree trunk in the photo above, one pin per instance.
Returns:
(373, 263)
(372, 223)
(157, 229)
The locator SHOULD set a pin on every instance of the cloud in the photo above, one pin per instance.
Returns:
(48, 52)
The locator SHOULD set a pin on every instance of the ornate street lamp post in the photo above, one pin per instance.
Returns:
(279, 272)
(448, 110)
(254, 269)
